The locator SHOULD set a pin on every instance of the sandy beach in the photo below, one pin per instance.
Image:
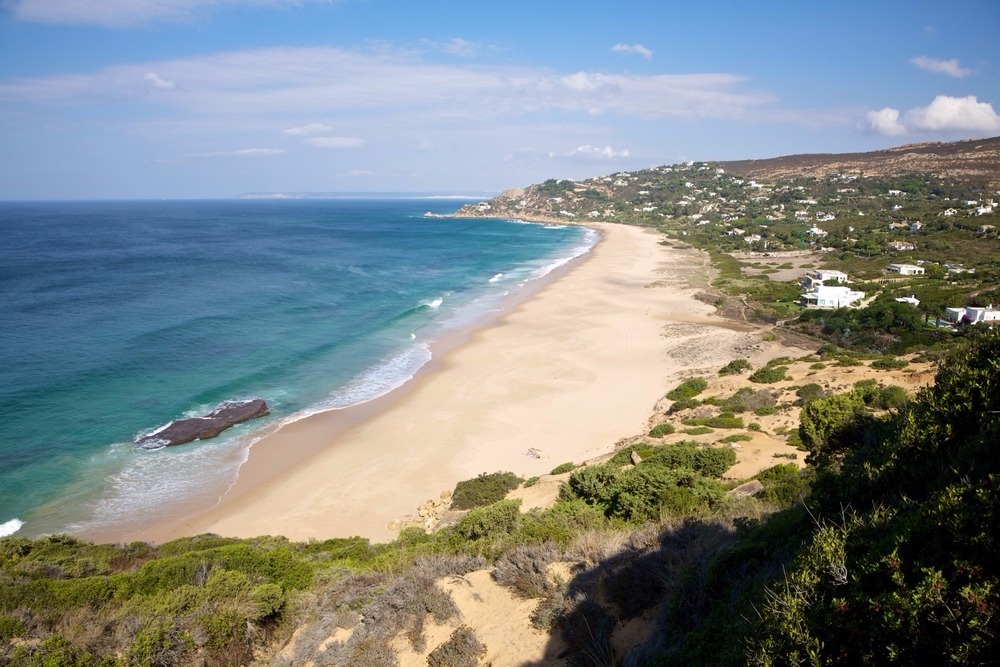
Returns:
(570, 371)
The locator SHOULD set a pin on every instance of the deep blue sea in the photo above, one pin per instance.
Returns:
(118, 317)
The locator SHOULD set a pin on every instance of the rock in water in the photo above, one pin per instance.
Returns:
(228, 414)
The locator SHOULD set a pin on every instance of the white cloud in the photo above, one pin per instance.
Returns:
(461, 48)
(336, 142)
(126, 13)
(159, 82)
(949, 67)
(886, 121)
(360, 172)
(602, 153)
(955, 113)
(943, 114)
(306, 130)
(245, 152)
(638, 49)
(351, 84)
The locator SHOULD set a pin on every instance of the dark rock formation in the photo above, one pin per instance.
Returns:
(225, 416)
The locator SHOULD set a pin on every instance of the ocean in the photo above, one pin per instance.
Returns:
(119, 317)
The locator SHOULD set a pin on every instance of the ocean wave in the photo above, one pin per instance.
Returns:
(433, 303)
(380, 379)
(496, 277)
(10, 527)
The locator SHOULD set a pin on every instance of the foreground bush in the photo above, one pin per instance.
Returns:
(483, 490)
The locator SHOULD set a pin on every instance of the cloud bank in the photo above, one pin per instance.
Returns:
(128, 13)
(949, 67)
(943, 114)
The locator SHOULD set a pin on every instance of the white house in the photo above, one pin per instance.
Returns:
(912, 300)
(827, 296)
(819, 277)
(816, 231)
(902, 245)
(905, 269)
(973, 315)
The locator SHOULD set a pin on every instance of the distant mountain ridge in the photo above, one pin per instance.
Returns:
(975, 161)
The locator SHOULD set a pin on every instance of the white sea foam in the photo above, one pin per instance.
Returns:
(10, 527)
(496, 277)
(433, 303)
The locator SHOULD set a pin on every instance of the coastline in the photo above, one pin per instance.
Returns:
(574, 367)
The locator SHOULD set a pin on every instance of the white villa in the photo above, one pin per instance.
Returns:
(819, 277)
(973, 315)
(905, 269)
(828, 296)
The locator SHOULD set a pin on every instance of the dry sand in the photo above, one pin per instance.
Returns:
(569, 372)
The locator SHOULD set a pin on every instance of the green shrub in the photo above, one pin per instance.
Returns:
(661, 430)
(753, 426)
(491, 522)
(698, 430)
(688, 389)
(684, 404)
(783, 484)
(725, 420)
(769, 374)
(591, 483)
(889, 363)
(737, 437)
(563, 467)
(735, 367)
(486, 489)
(818, 366)
(765, 410)
(531, 481)
(809, 392)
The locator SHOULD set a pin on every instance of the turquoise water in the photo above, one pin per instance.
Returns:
(119, 317)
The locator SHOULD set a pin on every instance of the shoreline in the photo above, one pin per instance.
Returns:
(576, 364)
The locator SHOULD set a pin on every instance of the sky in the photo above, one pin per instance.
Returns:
(148, 99)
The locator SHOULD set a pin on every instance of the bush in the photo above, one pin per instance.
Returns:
(735, 367)
(683, 404)
(725, 420)
(769, 374)
(491, 522)
(463, 649)
(483, 490)
(783, 484)
(889, 363)
(661, 430)
(698, 430)
(688, 389)
(765, 410)
(809, 392)
(563, 467)
(737, 437)
(531, 481)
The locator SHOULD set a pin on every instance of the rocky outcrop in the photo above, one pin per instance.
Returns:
(225, 416)
(751, 488)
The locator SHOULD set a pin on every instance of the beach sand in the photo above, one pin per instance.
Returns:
(570, 371)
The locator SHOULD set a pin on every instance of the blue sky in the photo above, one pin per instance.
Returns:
(106, 99)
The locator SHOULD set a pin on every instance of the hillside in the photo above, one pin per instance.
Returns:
(975, 162)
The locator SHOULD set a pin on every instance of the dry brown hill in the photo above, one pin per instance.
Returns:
(975, 161)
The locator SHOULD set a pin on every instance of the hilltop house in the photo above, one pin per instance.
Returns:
(973, 315)
(902, 245)
(828, 296)
(912, 300)
(905, 269)
(819, 277)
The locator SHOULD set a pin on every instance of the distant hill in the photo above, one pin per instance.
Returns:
(974, 161)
